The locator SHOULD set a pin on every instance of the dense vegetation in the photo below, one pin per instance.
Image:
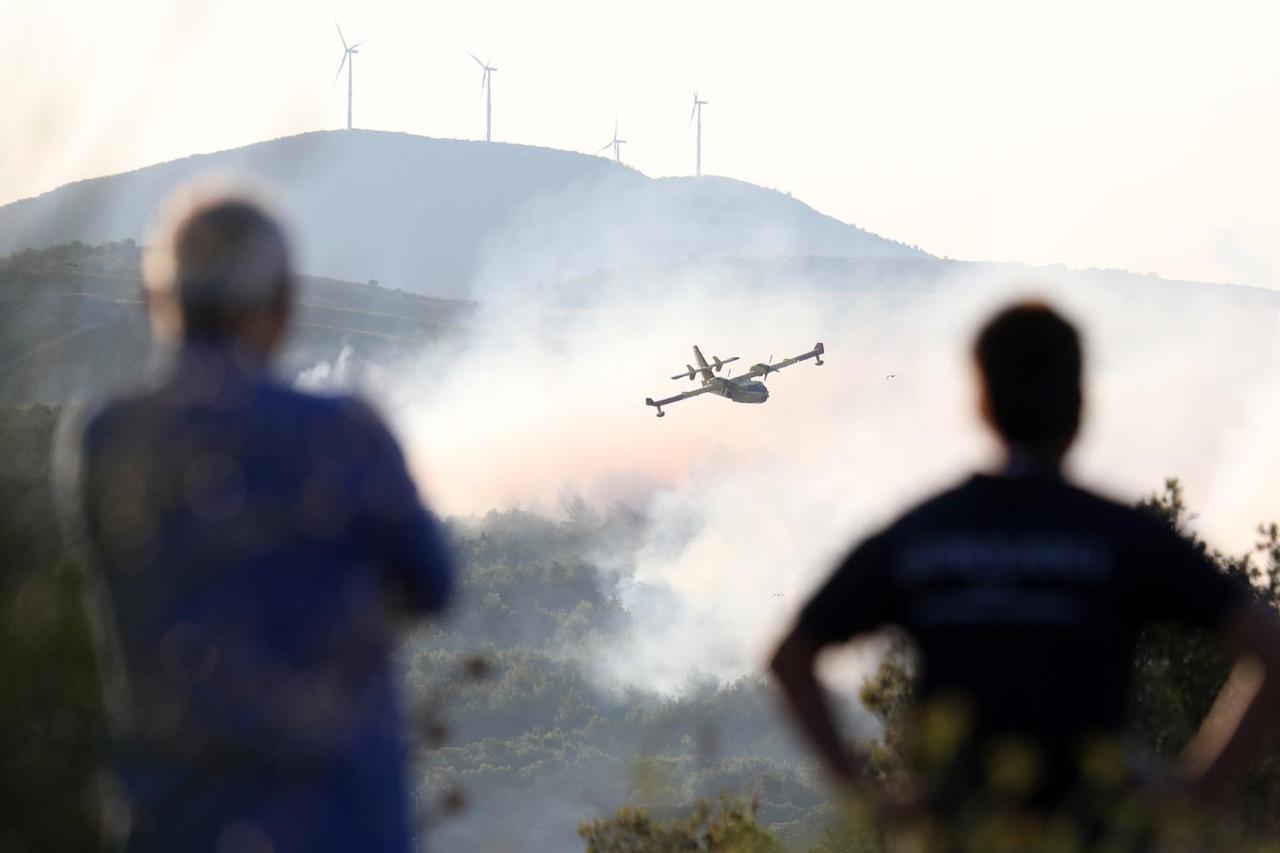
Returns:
(520, 724)
(525, 744)
(1178, 674)
(532, 734)
(521, 737)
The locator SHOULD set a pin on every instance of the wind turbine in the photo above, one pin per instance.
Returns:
(486, 83)
(697, 111)
(348, 54)
(615, 144)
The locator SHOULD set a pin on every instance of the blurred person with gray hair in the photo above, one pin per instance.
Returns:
(256, 548)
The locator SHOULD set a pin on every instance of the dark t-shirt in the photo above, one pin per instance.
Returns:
(1024, 597)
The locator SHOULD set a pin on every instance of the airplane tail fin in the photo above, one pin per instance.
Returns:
(703, 367)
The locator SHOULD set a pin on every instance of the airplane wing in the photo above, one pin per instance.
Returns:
(658, 404)
(765, 369)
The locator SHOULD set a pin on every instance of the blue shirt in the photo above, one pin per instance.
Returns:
(258, 547)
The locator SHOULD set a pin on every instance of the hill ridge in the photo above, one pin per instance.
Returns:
(438, 215)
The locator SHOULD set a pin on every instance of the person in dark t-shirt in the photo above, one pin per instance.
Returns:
(1024, 596)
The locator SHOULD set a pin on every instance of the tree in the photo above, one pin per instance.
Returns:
(1178, 674)
(729, 827)
(888, 693)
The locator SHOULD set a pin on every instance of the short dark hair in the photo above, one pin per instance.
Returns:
(1030, 360)
(222, 257)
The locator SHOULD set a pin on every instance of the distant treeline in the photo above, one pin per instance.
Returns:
(120, 258)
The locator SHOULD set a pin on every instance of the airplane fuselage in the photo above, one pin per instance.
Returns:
(739, 390)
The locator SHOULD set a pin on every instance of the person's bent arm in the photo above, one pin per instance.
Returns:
(424, 568)
(807, 701)
(405, 538)
(1243, 718)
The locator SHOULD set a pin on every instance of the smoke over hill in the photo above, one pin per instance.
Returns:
(593, 281)
(588, 293)
(747, 506)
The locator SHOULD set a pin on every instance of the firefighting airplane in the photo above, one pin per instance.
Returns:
(744, 389)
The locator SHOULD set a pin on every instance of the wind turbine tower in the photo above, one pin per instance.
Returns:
(348, 54)
(486, 83)
(697, 111)
(616, 144)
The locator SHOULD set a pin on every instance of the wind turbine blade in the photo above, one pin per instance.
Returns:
(357, 44)
(338, 73)
(604, 147)
(340, 35)
(476, 58)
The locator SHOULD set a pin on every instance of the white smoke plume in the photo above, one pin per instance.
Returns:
(327, 375)
(749, 506)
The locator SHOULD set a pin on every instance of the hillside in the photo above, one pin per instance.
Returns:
(435, 215)
(74, 323)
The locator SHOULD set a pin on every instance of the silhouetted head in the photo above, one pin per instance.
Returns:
(1029, 358)
(218, 271)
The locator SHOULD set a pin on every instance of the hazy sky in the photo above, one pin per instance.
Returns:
(1140, 135)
